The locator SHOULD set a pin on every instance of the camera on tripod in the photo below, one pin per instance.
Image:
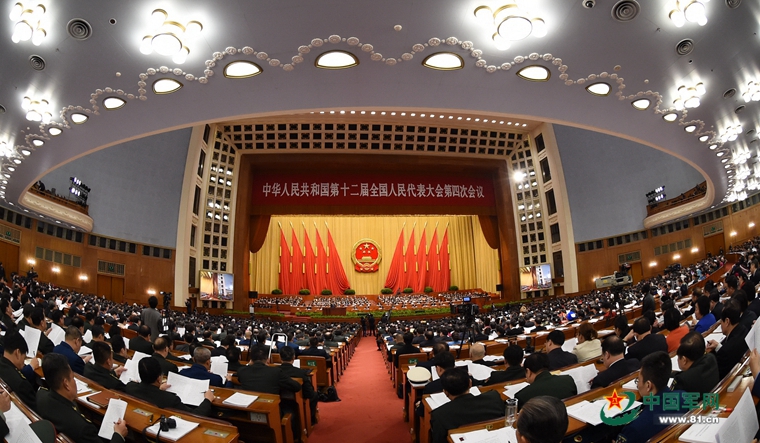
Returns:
(467, 308)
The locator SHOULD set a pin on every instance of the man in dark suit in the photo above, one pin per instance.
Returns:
(287, 355)
(160, 353)
(558, 358)
(699, 370)
(259, 377)
(142, 343)
(754, 272)
(7, 316)
(314, 351)
(406, 348)
(716, 307)
(542, 382)
(22, 380)
(151, 390)
(464, 408)
(732, 348)
(70, 347)
(478, 353)
(513, 356)
(646, 342)
(200, 370)
(58, 404)
(648, 303)
(36, 320)
(747, 287)
(613, 349)
(100, 370)
(542, 419)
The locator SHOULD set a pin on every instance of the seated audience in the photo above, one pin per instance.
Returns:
(698, 370)
(513, 357)
(70, 347)
(151, 390)
(20, 378)
(613, 349)
(705, 318)
(543, 382)
(201, 369)
(288, 356)
(542, 420)
(314, 351)
(478, 352)
(259, 377)
(646, 341)
(672, 320)
(161, 353)
(142, 343)
(558, 358)
(732, 348)
(100, 370)
(589, 347)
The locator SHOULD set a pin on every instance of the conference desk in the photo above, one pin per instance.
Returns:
(27, 412)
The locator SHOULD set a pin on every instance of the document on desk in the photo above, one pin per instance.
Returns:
(511, 390)
(589, 412)
(32, 338)
(438, 399)
(702, 433)
(582, 376)
(219, 366)
(57, 335)
(115, 412)
(20, 432)
(189, 390)
(183, 428)
(502, 435)
(714, 336)
(82, 387)
(753, 337)
(240, 399)
(742, 424)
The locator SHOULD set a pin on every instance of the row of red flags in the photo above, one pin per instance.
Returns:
(309, 269)
(415, 267)
(425, 265)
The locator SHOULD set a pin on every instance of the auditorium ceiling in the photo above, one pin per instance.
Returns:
(614, 68)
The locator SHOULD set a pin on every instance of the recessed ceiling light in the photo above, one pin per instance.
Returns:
(242, 69)
(601, 89)
(112, 103)
(11, 168)
(534, 73)
(37, 142)
(690, 128)
(17, 161)
(720, 154)
(336, 60)
(78, 118)
(166, 86)
(443, 61)
(724, 160)
(713, 146)
(54, 131)
(726, 166)
(704, 138)
(670, 117)
(26, 152)
(641, 104)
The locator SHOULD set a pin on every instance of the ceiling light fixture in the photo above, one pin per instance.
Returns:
(37, 110)
(166, 86)
(37, 142)
(28, 23)
(443, 61)
(336, 60)
(690, 128)
(78, 118)
(731, 133)
(601, 89)
(689, 10)
(55, 131)
(112, 103)
(670, 117)
(704, 138)
(752, 94)
(26, 152)
(641, 104)
(534, 73)
(509, 23)
(688, 96)
(242, 69)
(713, 146)
(170, 38)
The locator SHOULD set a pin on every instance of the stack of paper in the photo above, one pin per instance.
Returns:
(57, 335)
(32, 337)
(219, 366)
(132, 372)
(438, 399)
(753, 338)
(569, 344)
(84, 350)
(742, 424)
(115, 412)
(511, 390)
(501, 435)
(240, 399)
(714, 336)
(582, 376)
(589, 412)
(183, 428)
(87, 337)
(493, 358)
(674, 363)
(20, 432)
(189, 390)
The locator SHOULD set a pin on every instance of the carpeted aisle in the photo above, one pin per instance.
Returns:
(369, 410)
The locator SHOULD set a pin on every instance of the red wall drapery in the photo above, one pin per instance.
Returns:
(309, 261)
(410, 260)
(337, 276)
(285, 260)
(445, 263)
(434, 264)
(297, 277)
(395, 278)
(419, 286)
(320, 277)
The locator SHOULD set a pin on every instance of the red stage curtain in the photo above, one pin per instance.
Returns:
(434, 264)
(421, 263)
(298, 279)
(321, 262)
(445, 271)
(410, 260)
(395, 278)
(284, 264)
(337, 275)
(309, 261)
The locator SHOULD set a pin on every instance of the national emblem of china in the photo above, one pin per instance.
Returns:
(366, 256)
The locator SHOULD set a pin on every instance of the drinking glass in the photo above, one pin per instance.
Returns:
(511, 413)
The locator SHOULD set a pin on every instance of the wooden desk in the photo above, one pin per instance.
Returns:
(265, 411)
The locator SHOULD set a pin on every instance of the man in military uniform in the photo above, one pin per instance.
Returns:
(21, 379)
(58, 404)
(288, 355)
(151, 390)
(100, 370)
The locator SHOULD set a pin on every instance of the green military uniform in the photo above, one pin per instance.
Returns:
(67, 419)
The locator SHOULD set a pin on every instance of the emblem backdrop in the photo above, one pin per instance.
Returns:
(473, 263)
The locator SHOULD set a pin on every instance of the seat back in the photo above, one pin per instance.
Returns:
(323, 380)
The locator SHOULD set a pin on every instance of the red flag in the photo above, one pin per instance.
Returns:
(445, 263)
(433, 262)
(337, 275)
(410, 261)
(309, 261)
(321, 279)
(419, 286)
(285, 259)
(298, 279)
(395, 278)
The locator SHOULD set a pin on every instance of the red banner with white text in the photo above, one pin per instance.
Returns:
(357, 189)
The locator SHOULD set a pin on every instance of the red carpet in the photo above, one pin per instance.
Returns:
(369, 411)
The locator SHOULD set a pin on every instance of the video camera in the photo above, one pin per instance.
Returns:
(467, 308)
